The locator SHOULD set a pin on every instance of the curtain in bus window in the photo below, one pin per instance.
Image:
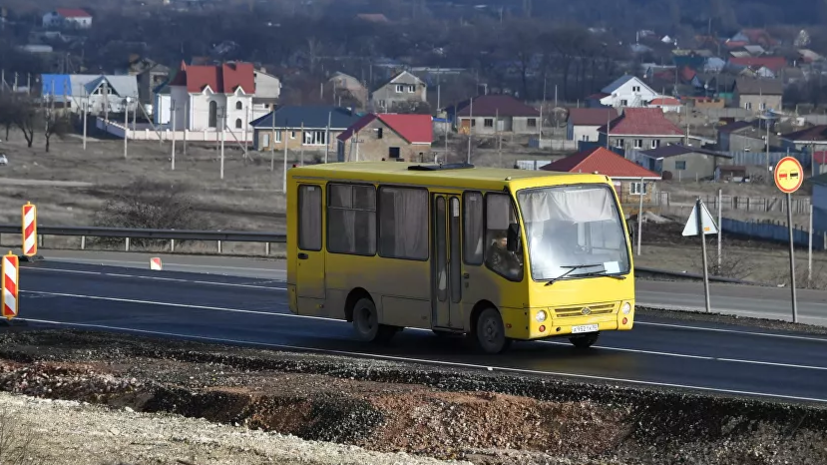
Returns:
(403, 223)
(472, 228)
(310, 217)
(352, 220)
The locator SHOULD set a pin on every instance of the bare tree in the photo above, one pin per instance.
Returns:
(27, 118)
(8, 108)
(55, 124)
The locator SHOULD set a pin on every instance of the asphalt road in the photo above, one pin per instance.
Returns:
(252, 309)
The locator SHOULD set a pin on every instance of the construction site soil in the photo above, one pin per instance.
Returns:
(479, 416)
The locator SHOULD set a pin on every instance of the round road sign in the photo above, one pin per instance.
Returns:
(788, 175)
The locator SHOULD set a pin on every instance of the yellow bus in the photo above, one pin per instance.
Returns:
(495, 254)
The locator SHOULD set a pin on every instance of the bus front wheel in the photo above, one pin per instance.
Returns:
(490, 332)
(366, 323)
(585, 341)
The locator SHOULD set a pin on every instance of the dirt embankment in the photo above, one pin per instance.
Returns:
(390, 407)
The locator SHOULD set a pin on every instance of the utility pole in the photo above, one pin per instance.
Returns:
(186, 122)
(327, 136)
(470, 128)
(301, 147)
(85, 105)
(284, 174)
(126, 129)
(223, 124)
(105, 102)
(173, 135)
(246, 126)
(273, 143)
(541, 111)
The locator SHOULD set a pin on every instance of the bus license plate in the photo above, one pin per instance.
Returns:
(584, 329)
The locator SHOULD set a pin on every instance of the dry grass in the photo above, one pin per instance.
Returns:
(18, 440)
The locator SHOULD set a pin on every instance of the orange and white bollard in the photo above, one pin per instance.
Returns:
(11, 276)
(29, 230)
(155, 263)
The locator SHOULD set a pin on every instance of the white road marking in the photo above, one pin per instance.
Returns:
(220, 269)
(160, 278)
(291, 315)
(733, 331)
(426, 361)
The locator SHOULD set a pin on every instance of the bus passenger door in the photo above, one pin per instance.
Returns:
(446, 265)
(310, 279)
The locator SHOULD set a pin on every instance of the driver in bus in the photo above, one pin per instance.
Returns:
(500, 259)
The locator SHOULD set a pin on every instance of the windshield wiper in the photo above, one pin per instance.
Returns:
(619, 277)
(571, 268)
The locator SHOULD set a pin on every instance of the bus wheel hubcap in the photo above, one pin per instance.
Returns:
(490, 331)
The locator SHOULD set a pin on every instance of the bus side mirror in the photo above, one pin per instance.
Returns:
(512, 242)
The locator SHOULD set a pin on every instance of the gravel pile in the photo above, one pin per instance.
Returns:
(390, 407)
(75, 433)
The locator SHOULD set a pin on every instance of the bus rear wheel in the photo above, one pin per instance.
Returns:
(585, 341)
(490, 332)
(366, 323)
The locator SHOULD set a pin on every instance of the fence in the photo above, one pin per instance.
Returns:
(774, 232)
(801, 205)
(553, 144)
(164, 133)
(760, 158)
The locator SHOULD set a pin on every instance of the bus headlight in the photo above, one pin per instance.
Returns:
(541, 316)
(627, 308)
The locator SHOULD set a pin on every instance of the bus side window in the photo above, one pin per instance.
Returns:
(310, 218)
(472, 228)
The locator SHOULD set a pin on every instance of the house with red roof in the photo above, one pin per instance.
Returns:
(212, 97)
(387, 137)
(68, 17)
(492, 114)
(582, 123)
(630, 180)
(640, 129)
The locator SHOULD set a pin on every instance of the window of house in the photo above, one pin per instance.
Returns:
(403, 223)
(639, 188)
(315, 137)
(619, 143)
(382, 104)
(499, 213)
(411, 89)
(310, 218)
(238, 106)
(638, 143)
(680, 165)
(238, 123)
(213, 114)
(278, 136)
(532, 122)
(763, 106)
(472, 228)
(624, 102)
(489, 122)
(351, 219)
(748, 105)
(635, 88)
(400, 88)
(655, 143)
(292, 134)
(393, 153)
(584, 137)
(379, 133)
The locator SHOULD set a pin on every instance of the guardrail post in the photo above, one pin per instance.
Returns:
(219, 246)
(266, 248)
(82, 242)
(40, 240)
(172, 245)
(127, 244)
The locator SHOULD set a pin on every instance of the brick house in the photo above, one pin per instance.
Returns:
(630, 180)
(640, 129)
(391, 137)
(583, 123)
(480, 113)
(404, 93)
(684, 163)
(311, 127)
(758, 95)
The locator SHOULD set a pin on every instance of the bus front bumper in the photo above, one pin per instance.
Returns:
(568, 323)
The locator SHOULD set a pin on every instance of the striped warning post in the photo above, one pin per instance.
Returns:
(10, 279)
(155, 263)
(29, 230)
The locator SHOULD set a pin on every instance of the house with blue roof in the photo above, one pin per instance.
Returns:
(311, 127)
(100, 93)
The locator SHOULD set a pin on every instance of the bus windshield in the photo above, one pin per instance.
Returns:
(573, 231)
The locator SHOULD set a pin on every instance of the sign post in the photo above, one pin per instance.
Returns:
(789, 175)
(700, 223)
(29, 212)
(11, 276)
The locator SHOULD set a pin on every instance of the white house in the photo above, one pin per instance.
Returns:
(101, 94)
(666, 103)
(68, 17)
(626, 91)
(268, 91)
(209, 98)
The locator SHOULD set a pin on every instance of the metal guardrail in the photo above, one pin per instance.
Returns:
(171, 235)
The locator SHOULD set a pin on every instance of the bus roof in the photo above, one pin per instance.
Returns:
(461, 175)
